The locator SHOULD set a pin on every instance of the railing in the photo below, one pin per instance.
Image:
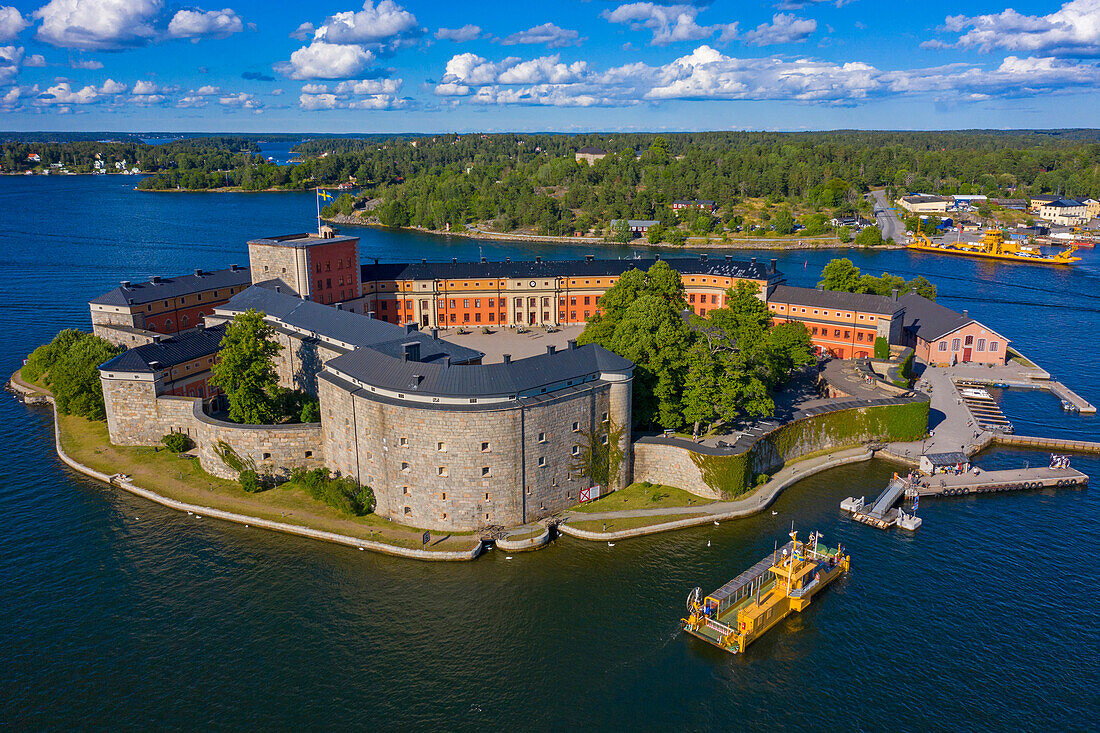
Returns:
(718, 626)
(802, 591)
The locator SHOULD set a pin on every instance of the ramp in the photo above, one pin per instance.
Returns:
(887, 499)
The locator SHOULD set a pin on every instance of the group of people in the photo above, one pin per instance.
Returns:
(1057, 461)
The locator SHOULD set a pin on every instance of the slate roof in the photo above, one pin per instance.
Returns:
(1064, 204)
(523, 269)
(354, 329)
(301, 240)
(168, 352)
(862, 302)
(947, 459)
(174, 287)
(486, 380)
(590, 150)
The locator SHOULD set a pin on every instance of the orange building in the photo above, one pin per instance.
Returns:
(844, 325)
(539, 293)
(942, 337)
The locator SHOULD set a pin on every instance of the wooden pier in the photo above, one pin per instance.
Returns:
(1053, 386)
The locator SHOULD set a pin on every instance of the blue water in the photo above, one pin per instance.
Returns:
(117, 613)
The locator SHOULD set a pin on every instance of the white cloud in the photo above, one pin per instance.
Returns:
(376, 94)
(304, 31)
(467, 32)
(205, 24)
(372, 24)
(11, 59)
(62, 94)
(36, 60)
(1073, 30)
(321, 60)
(148, 88)
(668, 23)
(276, 92)
(12, 23)
(98, 24)
(241, 100)
(191, 101)
(548, 33)
(784, 28)
(207, 90)
(112, 87)
(87, 64)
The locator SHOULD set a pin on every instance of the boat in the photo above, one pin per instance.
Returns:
(976, 393)
(993, 245)
(744, 609)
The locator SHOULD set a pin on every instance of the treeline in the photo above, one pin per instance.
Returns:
(207, 153)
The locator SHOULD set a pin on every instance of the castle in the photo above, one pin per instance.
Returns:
(446, 440)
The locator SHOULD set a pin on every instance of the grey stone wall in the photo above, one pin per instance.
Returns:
(282, 264)
(132, 415)
(300, 361)
(670, 465)
(275, 450)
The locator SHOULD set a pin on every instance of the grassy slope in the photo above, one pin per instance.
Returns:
(641, 496)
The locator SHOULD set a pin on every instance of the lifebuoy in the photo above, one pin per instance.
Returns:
(966, 490)
(1073, 482)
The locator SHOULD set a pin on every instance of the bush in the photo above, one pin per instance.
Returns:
(761, 479)
(844, 234)
(69, 366)
(311, 411)
(882, 348)
(869, 237)
(250, 481)
(178, 442)
(42, 358)
(340, 492)
(677, 237)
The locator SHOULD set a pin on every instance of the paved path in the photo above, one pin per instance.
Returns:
(887, 219)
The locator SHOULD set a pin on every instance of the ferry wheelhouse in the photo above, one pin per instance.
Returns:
(743, 610)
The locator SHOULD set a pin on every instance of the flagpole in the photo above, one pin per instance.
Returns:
(317, 199)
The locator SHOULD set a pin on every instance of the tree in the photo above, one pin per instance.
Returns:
(245, 370)
(844, 234)
(677, 237)
(882, 348)
(394, 214)
(839, 274)
(177, 442)
(923, 287)
(869, 237)
(73, 376)
(620, 232)
(654, 235)
(311, 412)
(783, 221)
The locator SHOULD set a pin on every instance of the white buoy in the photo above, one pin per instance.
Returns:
(360, 549)
(509, 557)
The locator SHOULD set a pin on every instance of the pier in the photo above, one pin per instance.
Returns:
(983, 408)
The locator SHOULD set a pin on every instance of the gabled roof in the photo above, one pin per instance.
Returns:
(163, 288)
(929, 320)
(718, 266)
(168, 352)
(485, 380)
(862, 302)
(353, 329)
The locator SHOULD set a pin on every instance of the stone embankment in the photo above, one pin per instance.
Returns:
(33, 396)
(529, 538)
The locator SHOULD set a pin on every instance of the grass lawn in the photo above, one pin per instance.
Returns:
(184, 480)
(642, 495)
(1017, 357)
(617, 525)
(526, 535)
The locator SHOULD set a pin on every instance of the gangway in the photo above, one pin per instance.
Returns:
(886, 500)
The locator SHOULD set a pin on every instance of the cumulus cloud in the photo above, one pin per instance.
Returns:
(802, 4)
(62, 93)
(548, 33)
(321, 60)
(118, 24)
(544, 80)
(191, 101)
(86, 64)
(11, 59)
(784, 28)
(376, 94)
(1071, 31)
(241, 100)
(37, 60)
(668, 23)
(467, 32)
(196, 24)
(372, 24)
(304, 31)
(12, 23)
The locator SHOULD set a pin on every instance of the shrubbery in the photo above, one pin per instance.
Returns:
(251, 482)
(340, 492)
(68, 365)
(178, 442)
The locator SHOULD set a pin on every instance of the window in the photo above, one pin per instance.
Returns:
(405, 490)
(605, 417)
(441, 447)
(408, 509)
(441, 471)
(328, 282)
(604, 440)
(488, 496)
(576, 427)
(542, 437)
(994, 346)
(576, 450)
(847, 334)
(943, 346)
(691, 298)
(955, 344)
(484, 447)
(968, 341)
(452, 303)
(443, 495)
(572, 301)
(542, 461)
(485, 471)
(404, 465)
(836, 332)
(309, 454)
(466, 303)
(981, 344)
(266, 456)
(403, 441)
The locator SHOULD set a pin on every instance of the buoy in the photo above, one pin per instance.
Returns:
(509, 557)
(360, 549)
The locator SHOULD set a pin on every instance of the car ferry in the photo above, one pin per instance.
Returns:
(742, 610)
(993, 245)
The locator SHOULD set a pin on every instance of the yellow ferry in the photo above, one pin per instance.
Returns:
(993, 245)
(742, 610)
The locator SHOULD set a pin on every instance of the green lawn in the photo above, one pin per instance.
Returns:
(184, 480)
(642, 495)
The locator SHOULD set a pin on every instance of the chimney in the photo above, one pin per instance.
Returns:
(435, 333)
(507, 358)
(198, 272)
(550, 350)
(233, 268)
(754, 260)
(424, 261)
(507, 259)
(370, 314)
(538, 259)
(157, 338)
(589, 258)
(200, 326)
(412, 350)
(454, 260)
(447, 360)
(278, 288)
(410, 327)
(155, 279)
(894, 294)
(966, 313)
(572, 343)
(775, 265)
(375, 260)
(483, 260)
(125, 284)
(339, 306)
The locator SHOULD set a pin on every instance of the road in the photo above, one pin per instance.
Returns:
(887, 219)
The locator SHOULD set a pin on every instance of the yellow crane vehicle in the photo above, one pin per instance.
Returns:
(742, 610)
(993, 245)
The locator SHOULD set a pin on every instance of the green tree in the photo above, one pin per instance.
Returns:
(620, 232)
(73, 376)
(655, 234)
(245, 370)
(783, 221)
(311, 412)
(676, 237)
(844, 234)
(601, 454)
(922, 286)
(869, 237)
(177, 442)
(840, 274)
(394, 214)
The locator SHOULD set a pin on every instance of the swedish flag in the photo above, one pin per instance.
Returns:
(324, 194)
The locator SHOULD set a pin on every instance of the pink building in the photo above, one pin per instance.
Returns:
(941, 337)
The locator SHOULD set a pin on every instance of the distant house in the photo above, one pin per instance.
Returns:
(700, 204)
(854, 223)
(34, 157)
(637, 226)
(966, 202)
(942, 337)
(1064, 212)
(590, 155)
(1036, 202)
(1012, 204)
(1092, 208)
(925, 204)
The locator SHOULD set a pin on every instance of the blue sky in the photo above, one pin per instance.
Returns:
(409, 66)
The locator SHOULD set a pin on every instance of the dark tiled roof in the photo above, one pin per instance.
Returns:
(947, 459)
(487, 380)
(174, 287)
(344, 326)
(835, 299)
(168, 352)
(926, 199)
(589, 150)
(930, 320)
(1065, 203)
(301, 240)
(561, 268)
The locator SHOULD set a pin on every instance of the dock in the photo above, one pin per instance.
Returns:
(983, 408)
(1053, 386)
(883, 514)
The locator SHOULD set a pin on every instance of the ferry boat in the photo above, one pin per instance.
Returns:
(742, 610)
(993, 245)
